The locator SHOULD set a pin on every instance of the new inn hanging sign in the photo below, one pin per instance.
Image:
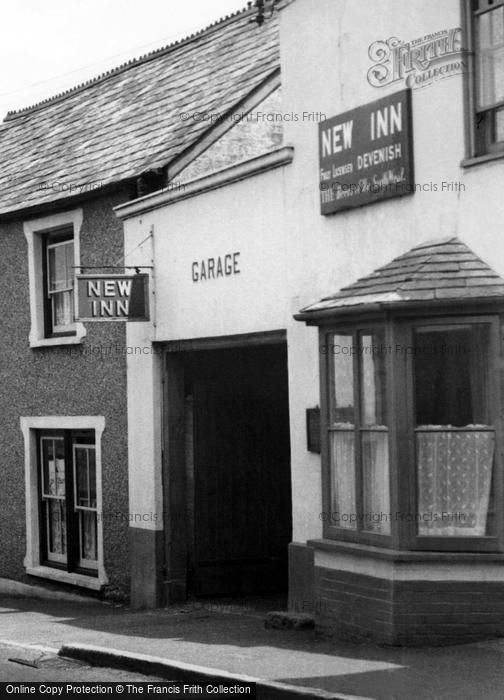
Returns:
(366, 154)
(113, 297)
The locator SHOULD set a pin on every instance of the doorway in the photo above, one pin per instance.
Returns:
(238, 513)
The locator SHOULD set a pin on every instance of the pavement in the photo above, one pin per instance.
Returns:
(46, 665)
(230, 638)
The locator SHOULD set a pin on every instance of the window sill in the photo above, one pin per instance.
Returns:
(48, 572)
(481, 160)
(394, 555)
(80, 334)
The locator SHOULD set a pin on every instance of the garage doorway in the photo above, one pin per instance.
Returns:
(237, 511)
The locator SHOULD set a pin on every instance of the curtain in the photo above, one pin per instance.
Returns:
(454, 478)
(343, 479)
(57, 526)
(375, 463)
(89, 539)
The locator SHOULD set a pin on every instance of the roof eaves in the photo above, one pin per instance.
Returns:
(315, 314)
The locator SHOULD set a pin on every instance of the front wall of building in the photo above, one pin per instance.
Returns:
(331, 78)
(87, 379)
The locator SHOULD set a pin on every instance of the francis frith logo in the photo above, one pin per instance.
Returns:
(419, 62)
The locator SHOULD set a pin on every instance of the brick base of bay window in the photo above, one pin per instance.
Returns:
(359, 608)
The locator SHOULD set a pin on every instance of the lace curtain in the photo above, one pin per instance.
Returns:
(375, 464)
(89, 536)
(342, 477)
(375, 461)
(454, 478)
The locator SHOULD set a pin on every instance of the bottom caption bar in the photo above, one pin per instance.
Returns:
(169, 688)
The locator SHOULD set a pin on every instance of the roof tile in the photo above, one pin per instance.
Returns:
(445, 269)
(130, 121)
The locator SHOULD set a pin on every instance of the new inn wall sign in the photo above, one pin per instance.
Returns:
(366, 154)
(113, 297)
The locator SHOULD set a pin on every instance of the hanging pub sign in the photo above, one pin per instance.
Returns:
(366, 154)
(113, 297)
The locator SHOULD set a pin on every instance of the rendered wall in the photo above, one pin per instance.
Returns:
(87, 379)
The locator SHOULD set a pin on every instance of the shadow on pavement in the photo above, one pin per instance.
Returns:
(222, 634)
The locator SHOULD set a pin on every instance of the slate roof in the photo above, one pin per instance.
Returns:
(435, 271)
(128, 121)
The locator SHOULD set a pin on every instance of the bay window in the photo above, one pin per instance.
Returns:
(410, 442)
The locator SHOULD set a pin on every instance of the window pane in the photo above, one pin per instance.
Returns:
(491, 78)
(49, 468)
(498, 75)
(374, 444)
(81, 476)
(454, 478)
(60, 266)
(499, 125)
(483, 30)
(63, 312)
(451, 376)
(60, 468)
(342, 383)
(373, 380)
(53, 463)
(343, 479)
(497, 23)
(485, 93)
(56, 526)
(454, 438)
(88, 535)
(375, 466)
(490, 35)
(92, 477)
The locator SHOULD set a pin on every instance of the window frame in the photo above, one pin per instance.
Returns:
(53, 239)
(72, 561)
(486, 543)
(83, 563)
(331, 530)
(36, 231)
(50, 558)
(479, 144)
(35, 562)
(400, 405)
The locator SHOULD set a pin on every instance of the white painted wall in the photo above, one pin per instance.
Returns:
(246, 217)
(324, 50)
(144, 382)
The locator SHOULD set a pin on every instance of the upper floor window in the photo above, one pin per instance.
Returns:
(60, 275)
(53, 258)
(487, 29)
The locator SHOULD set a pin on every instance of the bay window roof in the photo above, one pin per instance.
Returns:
(444, 270)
